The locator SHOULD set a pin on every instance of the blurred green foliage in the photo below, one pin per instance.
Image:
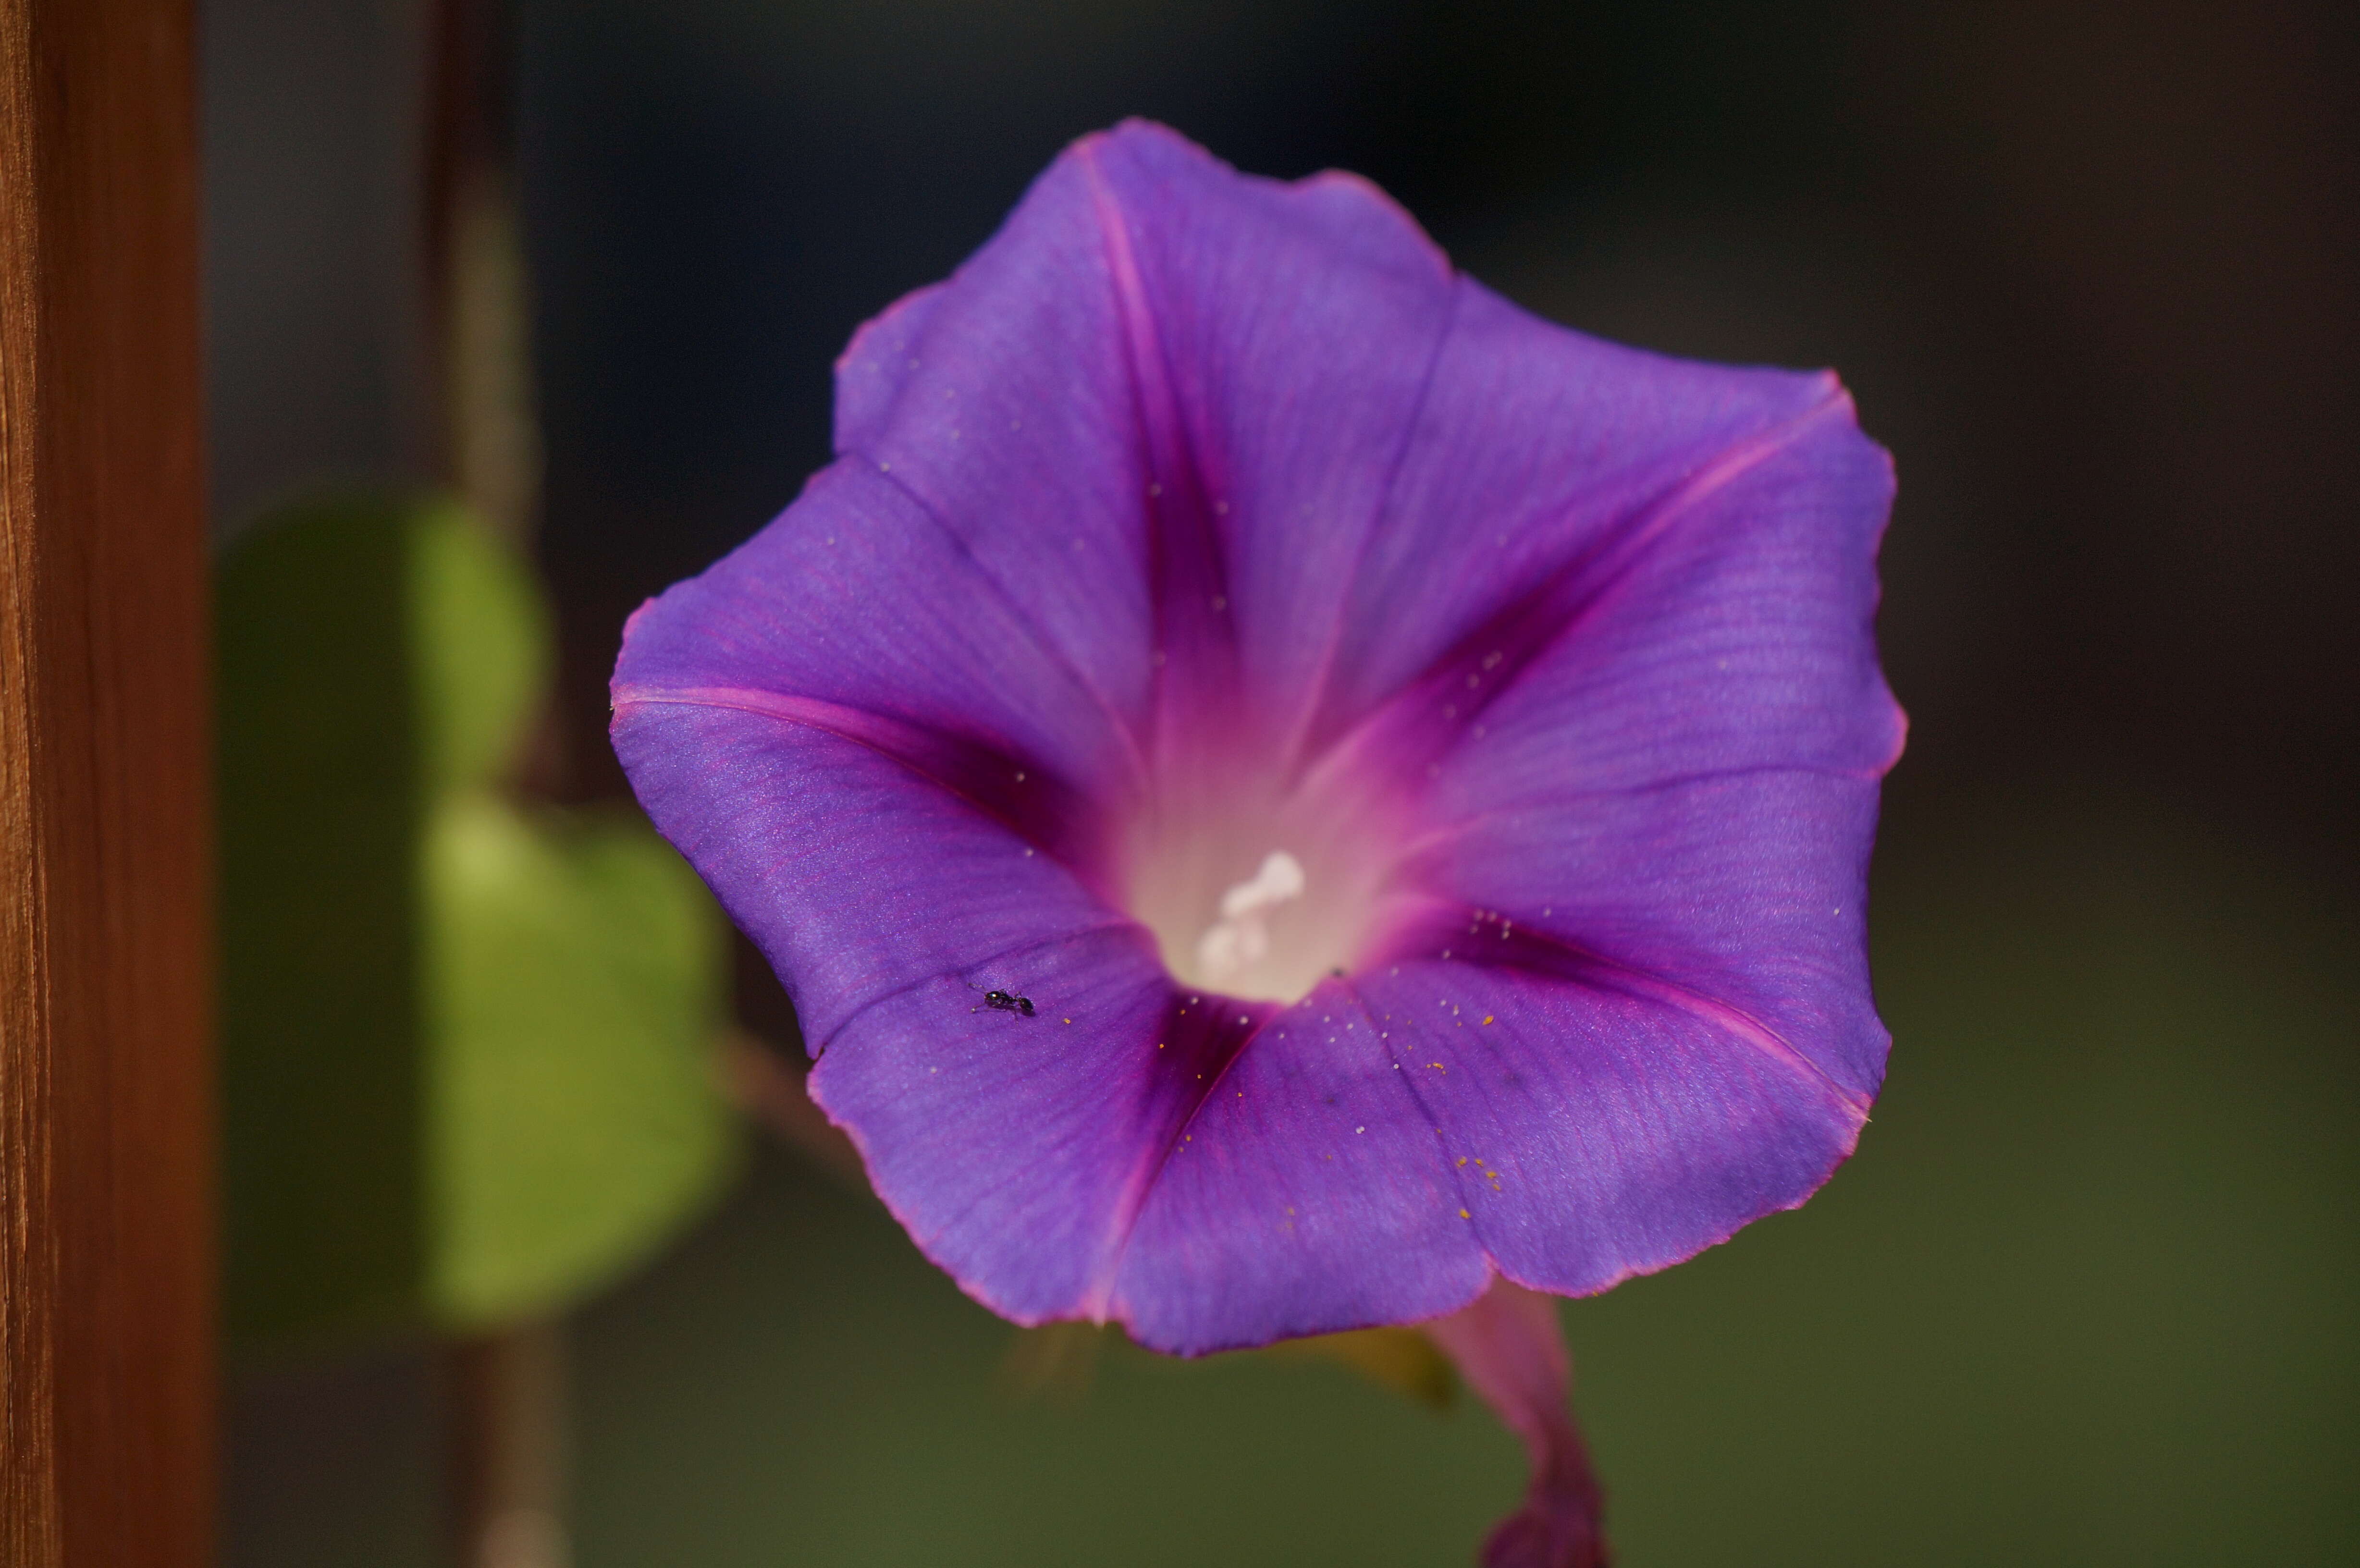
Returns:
(466, 1046)
(572, 973)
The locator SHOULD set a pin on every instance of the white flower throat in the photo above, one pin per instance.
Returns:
(1260, 898)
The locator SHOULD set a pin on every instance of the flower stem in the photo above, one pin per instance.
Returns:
(505, 1393)
(1510, 1349)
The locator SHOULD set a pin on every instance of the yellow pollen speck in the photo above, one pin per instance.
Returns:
(1465, 1216)
(1462, 1159)
(1487, 1018)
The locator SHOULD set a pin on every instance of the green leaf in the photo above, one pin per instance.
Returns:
(467, 1047)
(573, 993)
(479, 637)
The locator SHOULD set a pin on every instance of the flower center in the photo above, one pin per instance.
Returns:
(1257, 897)
(1233, 944)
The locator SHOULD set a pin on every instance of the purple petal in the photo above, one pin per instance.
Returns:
(858, 875)
(1017, 1151)
(1163, 405)
(1001, 403)
(1544, 462)
(1599, 1121)
(1748, 888)
(799, 624)
(1725, 624)
(1282, 339)
(1509, 1348)
(1310, 1194)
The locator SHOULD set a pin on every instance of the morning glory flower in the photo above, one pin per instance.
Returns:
(1416, 765)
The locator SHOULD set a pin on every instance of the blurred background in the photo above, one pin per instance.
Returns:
(2088, 1292)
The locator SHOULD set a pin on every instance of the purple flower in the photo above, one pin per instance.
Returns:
(1417, 762)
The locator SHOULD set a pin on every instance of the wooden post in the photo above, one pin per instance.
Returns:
(106, 1108)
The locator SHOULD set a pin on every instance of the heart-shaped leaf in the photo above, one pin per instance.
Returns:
(467, 1071)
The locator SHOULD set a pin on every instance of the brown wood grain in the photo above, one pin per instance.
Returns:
(106, 1228)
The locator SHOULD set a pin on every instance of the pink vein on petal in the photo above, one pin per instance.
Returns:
(1184, 557)
(1571, 592)
(1586, 965)
(1028, 801)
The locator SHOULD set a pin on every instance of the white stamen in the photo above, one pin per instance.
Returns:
(1240, 939)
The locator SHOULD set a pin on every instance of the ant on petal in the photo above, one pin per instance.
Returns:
(1003, 1002)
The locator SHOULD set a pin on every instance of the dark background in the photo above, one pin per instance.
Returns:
(2093, 271)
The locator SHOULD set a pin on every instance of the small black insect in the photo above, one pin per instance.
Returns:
(1005, 1002)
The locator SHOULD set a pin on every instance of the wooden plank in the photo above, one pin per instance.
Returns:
(106, 1226)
